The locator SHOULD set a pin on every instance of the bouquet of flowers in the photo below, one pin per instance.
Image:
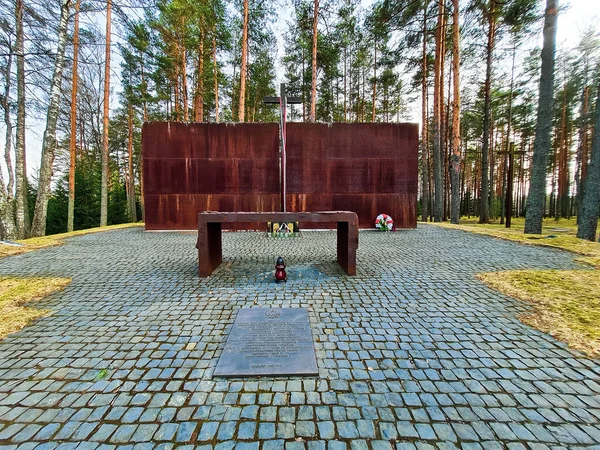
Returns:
(384, 222)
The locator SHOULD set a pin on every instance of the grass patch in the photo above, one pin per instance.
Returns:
(55, 239)
(566, 303)
(15, 295)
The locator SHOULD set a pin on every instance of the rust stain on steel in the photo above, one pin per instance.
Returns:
(367, 168)
(190, 168)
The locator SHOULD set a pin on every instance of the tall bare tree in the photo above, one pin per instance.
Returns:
(313, 86)
(38, 226)
(541, 145)
(21, 208)
(588, 220)
(484, 210)
(424, 126)
(455, 159)
(438, 104)
(104, 186)
(73, 142)
(215, 73)
(242, 103)
(7, 207)
(130, 172)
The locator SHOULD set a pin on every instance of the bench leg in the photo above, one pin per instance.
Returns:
(210, 250)
(215, 245)
(347, 242)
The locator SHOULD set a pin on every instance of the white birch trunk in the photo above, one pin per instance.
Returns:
(7, 211)
(21, 209)
(38, 227)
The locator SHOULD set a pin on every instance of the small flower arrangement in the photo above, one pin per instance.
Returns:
(384, 222)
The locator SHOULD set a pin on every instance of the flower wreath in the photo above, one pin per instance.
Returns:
(384, 222)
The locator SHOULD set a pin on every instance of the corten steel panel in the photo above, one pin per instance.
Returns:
(189, 168)
(367, 168)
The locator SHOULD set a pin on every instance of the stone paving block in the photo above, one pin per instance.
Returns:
(275, 444)
(104, 432)
(266, 430)
(166, 432)
(336, 445)
(438, 361)
(246, 430)
(208, 431)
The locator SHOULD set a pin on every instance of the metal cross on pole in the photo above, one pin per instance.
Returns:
(283, 101)
(509, 187)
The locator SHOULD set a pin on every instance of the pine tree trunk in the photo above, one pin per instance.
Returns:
(73, 118)
(131, 185)
(582, 149)
(38, 226)
(484, 210)
(374, 82)
(588, 221)
(541, 146)
(104, 185)
(144, 101)
(313, 86)
(424, 123)
(345, 87)
(363, 97)
(199, 106)
(184, 89)
(444, 116)
(455, 160)
(141, 159)
(242, 99)
(560, 198)
(21, 208)
(563, 188)
(553, 196)
(176, 93)
(437, 118)
(215, 75)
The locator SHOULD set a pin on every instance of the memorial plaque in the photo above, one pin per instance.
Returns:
(269, 341)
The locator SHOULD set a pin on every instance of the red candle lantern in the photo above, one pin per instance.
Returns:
(280, 274)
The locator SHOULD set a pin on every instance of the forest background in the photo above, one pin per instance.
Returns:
(215, 60)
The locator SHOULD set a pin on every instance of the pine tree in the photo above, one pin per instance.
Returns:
(537, 189)
(105, 141)
(455, 160)
(22, 220)
(588, 222)
(73, 118)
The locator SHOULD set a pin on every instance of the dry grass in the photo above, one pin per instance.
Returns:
(551, 237)
(566, 303)
(16, 294)
(55, 239)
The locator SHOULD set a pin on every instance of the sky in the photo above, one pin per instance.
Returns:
(574, 18)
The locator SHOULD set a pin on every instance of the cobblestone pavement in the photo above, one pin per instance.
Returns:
(413, 352)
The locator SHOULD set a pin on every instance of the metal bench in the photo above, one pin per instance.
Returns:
(209, 245)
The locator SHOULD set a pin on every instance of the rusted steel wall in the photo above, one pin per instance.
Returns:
(190, 168)
(366, 168)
